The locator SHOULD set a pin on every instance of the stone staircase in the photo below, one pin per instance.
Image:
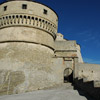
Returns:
(92, 87)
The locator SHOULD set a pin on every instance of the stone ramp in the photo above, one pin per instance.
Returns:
(63, 86)
(61, 93)
(46, 95)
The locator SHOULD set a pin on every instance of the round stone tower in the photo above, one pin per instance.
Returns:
(27, 33)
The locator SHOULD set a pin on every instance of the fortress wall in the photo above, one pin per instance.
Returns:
(89, 71)
(27, 20)
(89, 88)
(65, 49)
(26, 34)
(65, 45)
(87, 78)
(63, 67)
(66, 54)
(69, 67)
(26, 67)
(33, 8)
(68, 49)
(60, 37)
(59, 66)
(27, 47)
(79, 54)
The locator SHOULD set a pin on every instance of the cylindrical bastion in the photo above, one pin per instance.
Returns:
(27, 34)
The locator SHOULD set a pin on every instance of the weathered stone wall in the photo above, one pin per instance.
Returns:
(89, 71)
(87, 78)
(33, 16)
(67, 49)
(27, 47)
(25, 67)
(27, 21)
(89, 88)
(80, 59)
(69, 66)
(26, 34)
(33, 8)
(60, 37)
(65, 45)
(59, 67)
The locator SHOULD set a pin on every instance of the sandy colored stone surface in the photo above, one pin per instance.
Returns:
(89, 71)
(33, 8)
(27, 35)
(25, 67)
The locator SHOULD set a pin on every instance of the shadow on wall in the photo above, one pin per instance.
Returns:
(88, 88)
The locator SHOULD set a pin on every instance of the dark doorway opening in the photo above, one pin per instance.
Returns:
(68, 78)
(68, 75)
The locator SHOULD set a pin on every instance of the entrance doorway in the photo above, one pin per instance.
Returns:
(68, 75)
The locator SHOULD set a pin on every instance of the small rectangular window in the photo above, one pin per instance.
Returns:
(45, 11)
(24, 6)
(5, 8)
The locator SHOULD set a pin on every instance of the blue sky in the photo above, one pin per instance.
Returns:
(79, 20)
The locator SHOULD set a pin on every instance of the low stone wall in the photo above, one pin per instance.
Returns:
(87, 78)
(89, 71)
(89, 88)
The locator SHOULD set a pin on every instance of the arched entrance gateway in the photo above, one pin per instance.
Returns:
(68, 75)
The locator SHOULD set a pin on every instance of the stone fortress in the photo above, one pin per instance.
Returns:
(33, 55)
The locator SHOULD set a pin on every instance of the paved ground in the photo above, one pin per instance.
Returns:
(64, 92)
